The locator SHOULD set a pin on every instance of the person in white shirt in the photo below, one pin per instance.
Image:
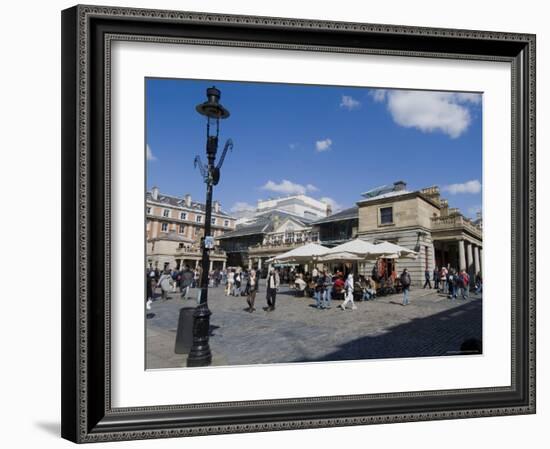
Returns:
(349, 293)
(273, 281)
(230, 281)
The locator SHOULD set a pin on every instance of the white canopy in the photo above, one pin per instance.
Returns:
(393, 251)
(302, 254)
(356, 247)
(342, 256)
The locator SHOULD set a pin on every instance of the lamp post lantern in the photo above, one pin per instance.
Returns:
(200, 354)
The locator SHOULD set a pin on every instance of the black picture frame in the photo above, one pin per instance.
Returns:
(87, 415)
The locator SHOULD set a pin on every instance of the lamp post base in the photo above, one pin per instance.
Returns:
(200, 354)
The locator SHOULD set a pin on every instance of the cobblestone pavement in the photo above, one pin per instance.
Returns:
(431, 325)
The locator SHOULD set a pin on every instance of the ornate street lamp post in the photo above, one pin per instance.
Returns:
(200, 354)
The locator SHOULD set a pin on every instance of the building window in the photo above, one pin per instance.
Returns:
(386, 215)
(164, 227)
(183, 216)
(166, 213)
(213, 221)
(180, 246)
(148, 211)
(226, 223)
(181, 229)
(199, 219)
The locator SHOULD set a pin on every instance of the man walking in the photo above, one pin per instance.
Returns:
(319, 292)
(273, 282)
(452, 281)
(436, 278)
(405, 279)
(186, 281)
(328, 289)
(427, 279)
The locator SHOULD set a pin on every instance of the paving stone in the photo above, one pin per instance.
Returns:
(431, 325)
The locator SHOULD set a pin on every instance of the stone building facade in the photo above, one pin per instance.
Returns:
(420, 220)
(175, 227)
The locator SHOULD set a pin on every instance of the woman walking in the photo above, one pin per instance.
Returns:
(166, 282)
(251, 289)
(230, 280)
(348, 287)
(406, 284)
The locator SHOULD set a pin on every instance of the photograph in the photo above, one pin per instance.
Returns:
(300, 223)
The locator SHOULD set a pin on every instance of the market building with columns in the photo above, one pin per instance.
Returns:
(421, 220)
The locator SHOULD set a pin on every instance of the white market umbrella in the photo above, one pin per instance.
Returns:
(302, 254)
(342, 256)
(356, 247)
(393, 251)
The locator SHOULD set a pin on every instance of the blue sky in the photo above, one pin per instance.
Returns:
(331, 143)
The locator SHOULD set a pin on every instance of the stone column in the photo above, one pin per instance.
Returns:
(223, 265)
(250, 263)
(211, 265)
(259, 263)
(481, 260)
(477, 267)
(461, 255)
(470, 263)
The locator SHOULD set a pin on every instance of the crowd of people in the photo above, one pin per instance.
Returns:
(322, 285)
(453, 283)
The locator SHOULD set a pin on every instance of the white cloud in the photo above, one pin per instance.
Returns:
(445, 112)
(323, 145)
(287, 187)
(349, 103)
(473, 186)
(468, 97)
(150, 155)
(241, 206)
(311, 188)
(293, 146)
(379, 95)
(334, 205)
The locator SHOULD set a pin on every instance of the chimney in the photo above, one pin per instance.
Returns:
(216, 206)
(444, 207)
(187, 199)
(329, 210)
(432, 193)
(155, 193)
(399, 185)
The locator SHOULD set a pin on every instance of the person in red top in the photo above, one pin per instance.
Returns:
(338, 284)
(464, 283)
